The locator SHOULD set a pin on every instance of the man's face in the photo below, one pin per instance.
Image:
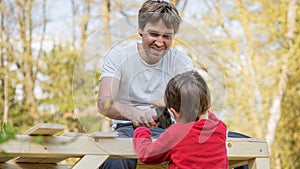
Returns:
(156, 41)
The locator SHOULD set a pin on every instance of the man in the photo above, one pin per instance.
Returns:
(134, 78)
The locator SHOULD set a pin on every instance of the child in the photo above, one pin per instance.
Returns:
(197, 140)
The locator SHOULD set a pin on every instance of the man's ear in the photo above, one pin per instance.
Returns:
(140, 31)
(176, 114)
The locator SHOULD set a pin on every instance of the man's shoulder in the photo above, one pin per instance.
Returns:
(125, 48)
(118, 52)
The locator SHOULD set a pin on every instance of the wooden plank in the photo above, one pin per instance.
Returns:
(259, 163)
(65, 146)
(263, 140)
(74, 134)
(237, 163)
(239, 149)
(45, 160)
(90, 161)
(96, 134)
(9, 165)
(99, 134)
(45, 129)
(243, 151)
(4, 159)
(42, 129)
(37, 160)
(71, 147)
(141, 165)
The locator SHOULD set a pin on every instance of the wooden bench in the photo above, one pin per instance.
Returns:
(30, 150)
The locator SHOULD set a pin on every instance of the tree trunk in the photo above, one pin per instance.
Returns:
(74, 11)
(25, 21)
(105, 8)
(85, 22)
(275, 110)
(2, 60)
(248, 65)
(44, 28)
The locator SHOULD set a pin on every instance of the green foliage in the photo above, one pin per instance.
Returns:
(288, 135)
(57, 102)
(38, 139)
(254, 47)
(7, 132)
(91, 123)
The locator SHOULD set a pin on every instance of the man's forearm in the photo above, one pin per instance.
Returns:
(119, 111)
(116, 110)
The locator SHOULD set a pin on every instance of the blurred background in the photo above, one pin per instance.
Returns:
(249, 50)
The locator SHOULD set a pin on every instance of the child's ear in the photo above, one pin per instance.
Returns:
(176, 114)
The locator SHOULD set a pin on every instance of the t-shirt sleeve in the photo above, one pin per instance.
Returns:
(111, 66)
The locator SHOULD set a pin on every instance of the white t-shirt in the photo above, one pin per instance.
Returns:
(142, 83)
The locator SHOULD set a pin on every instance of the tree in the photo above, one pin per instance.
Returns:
(257, 44)
(31, 73)
(285, 147)
(289, 49)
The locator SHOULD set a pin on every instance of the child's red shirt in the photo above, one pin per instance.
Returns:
(200, 144)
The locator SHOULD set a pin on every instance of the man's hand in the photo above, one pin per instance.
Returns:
(146, 118)
(158, 103)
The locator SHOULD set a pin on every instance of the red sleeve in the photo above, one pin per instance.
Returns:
(148, 151)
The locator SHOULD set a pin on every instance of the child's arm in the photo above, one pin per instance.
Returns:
(148, 151)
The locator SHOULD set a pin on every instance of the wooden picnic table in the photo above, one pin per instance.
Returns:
(41, 147)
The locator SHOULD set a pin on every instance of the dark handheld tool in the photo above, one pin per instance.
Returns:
(164, 119)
